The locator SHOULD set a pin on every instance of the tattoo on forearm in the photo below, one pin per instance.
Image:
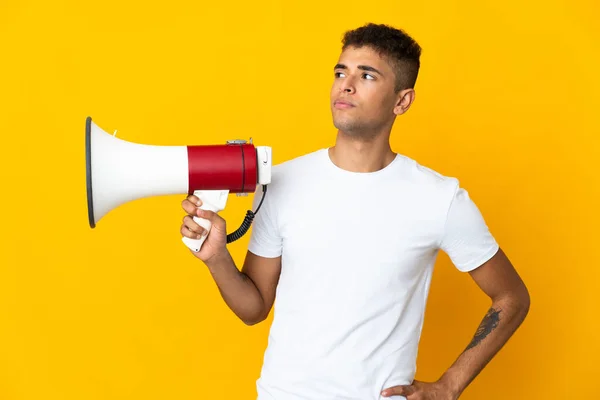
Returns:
(488, 324)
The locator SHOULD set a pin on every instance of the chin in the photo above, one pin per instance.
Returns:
(347, 124)
(354, 129)
(350, 129)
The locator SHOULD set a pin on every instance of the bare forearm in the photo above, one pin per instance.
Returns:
(237, 289)
(500, 322)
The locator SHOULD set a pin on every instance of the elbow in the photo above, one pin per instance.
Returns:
(523, 300)
(252, 321)
(526, 303)
(519, 301)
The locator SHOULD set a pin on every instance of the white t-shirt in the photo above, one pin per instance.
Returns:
(358, 251)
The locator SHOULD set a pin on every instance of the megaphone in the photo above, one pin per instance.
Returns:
(118, 171)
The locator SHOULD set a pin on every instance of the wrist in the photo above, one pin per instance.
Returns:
(218, 259)
(451, 385)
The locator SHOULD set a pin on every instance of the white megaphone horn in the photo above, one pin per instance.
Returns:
(118, 171)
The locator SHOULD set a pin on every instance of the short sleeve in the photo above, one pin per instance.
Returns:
(466, 237)
(265, 239)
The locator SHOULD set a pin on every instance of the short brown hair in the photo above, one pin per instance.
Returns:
(402, 51)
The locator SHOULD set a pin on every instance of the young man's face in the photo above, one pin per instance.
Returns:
(363, 101)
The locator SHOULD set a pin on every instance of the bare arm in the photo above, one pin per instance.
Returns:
(249, 293)
(510, 305)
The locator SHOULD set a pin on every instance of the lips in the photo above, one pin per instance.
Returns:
(342, 104)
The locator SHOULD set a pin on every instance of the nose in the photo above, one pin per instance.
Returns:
(347, 86)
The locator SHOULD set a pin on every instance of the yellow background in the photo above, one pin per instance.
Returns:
(507, 100)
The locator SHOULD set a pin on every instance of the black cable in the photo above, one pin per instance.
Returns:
(241, 231)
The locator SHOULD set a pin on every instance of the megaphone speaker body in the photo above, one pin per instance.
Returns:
(118, 171)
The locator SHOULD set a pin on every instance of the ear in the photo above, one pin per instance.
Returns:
(404, 100)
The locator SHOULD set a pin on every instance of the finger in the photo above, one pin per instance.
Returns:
(217, 222)
(195, 200)
(191, 203)
(403, 390)
(207, 214)
(185, 231)
(192, 225)
(189, 207)
(193, 228)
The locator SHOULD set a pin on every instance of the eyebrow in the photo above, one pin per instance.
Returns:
(363, 67)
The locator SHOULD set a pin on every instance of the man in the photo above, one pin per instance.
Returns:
(344, 246)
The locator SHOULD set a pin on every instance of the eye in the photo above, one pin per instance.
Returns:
(337, 74)
(372, 77)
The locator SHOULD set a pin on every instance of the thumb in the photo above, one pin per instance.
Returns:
(404, 390)
(208, 214)
(215, 219)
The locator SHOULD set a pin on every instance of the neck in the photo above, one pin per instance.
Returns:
(359, 155)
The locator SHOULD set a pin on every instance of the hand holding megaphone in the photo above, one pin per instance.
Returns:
(210, 200)
(199, 221)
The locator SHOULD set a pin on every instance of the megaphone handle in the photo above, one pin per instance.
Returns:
(212, 200)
